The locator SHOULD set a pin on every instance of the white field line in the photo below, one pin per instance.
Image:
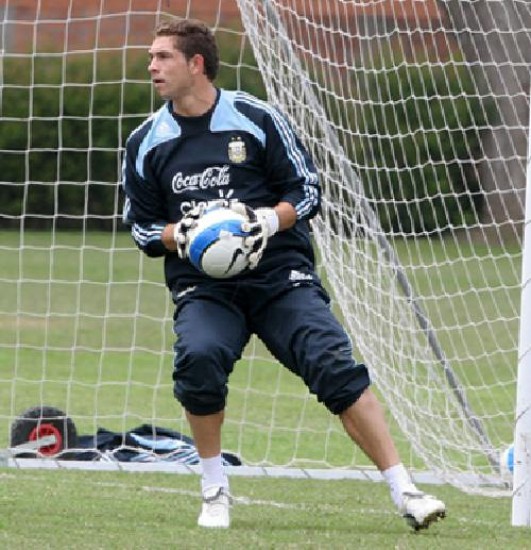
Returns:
(242, 500)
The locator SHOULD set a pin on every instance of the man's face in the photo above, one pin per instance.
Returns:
(171, 73)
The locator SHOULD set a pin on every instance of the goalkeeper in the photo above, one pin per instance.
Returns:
(206, 144)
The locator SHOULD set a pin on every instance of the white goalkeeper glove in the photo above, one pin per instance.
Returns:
(263, 224)
(182, 228)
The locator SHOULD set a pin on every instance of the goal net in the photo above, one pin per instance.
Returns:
(416, 114)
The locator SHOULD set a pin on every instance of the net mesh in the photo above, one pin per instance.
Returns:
(416, 114)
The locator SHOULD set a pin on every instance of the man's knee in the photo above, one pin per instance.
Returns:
(340, 406)
(200, 378)
(199, 403)
(349, 388)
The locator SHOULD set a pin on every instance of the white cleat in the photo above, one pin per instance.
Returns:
(215, 508)
(420, 509)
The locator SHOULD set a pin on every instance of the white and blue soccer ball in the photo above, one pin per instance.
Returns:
(507, 461)
(216, 245)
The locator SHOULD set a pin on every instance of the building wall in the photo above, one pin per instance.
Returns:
(69, 25)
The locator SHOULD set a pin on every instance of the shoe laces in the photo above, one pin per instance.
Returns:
(211, 498)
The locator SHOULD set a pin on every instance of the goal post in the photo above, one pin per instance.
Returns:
(417, 117)
(521, 510)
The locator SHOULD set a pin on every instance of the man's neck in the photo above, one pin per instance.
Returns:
(196, 104)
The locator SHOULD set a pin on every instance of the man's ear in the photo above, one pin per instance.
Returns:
(197, 64)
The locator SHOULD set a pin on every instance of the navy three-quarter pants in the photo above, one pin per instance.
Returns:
(288, 310)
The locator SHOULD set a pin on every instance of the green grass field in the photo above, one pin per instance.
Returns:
(78, 331)
(103, 510)
(85, 325)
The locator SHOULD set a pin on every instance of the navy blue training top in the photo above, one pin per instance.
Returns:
(242, 148)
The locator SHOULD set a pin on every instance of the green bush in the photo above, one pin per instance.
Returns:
(420, 137)
(65, 122)
(66, 118)
(60, 137)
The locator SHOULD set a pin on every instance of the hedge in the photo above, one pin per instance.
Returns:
(65, 118)
(418, 135)
(419, 144)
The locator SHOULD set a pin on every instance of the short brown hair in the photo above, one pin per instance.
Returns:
(193, 37)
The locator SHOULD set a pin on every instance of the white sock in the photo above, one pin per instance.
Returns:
(213, 473)
(399, 482)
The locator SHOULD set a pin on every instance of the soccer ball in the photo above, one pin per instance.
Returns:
(507, 461)
(216, 245)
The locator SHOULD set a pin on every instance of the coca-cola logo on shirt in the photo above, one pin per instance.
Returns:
(214, 176)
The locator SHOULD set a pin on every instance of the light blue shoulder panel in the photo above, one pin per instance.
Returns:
(226, 118)
(164, 128)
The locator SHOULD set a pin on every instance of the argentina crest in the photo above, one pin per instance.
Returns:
(237, 151)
